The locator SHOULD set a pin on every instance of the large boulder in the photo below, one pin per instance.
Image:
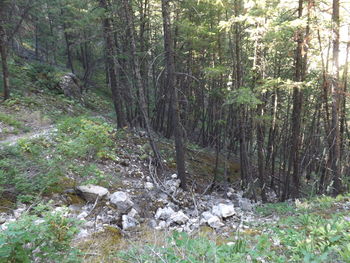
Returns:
(172, 185)
(215, 222)
(92, 192)
(223, 210)
(129, 222)
(70, 85)
(164, 213)
(206, 216)
(122, 201)
(245, 204)
(179, 218)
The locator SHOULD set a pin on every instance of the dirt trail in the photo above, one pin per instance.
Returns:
(44, 131)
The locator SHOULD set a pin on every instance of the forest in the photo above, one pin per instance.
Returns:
(238, 105)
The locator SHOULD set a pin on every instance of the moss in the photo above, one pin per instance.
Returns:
(101, 245)
(63, 184)
(10, 120)
(75, 199)
(6, 205)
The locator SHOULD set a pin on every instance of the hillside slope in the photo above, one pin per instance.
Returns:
(67, 172)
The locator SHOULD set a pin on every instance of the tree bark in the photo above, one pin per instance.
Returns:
(111, 65)
(171, 81)
(139, 82)
(3, 51)
(68, 44)
(335, 135)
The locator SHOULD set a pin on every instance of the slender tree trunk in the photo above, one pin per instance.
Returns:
(170, 67)
(260, 135)
(3, 51)
(343, 124)
(68, 44)
(335, 135)
(294, 154)
(139, 82)
(111, 65)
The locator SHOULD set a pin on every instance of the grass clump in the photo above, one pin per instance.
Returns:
(11, 121)
(44, 236)
(308, 231)
(37, 166)
(84, 137)
(181, 247)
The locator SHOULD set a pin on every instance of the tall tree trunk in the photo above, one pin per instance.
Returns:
(294, 154)
(343, 124)
(111, 65)
(139, 82)
(3, 51)
(68, 44)
(171, 81)
(335, 135)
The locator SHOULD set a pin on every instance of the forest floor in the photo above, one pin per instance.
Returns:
(50, 146)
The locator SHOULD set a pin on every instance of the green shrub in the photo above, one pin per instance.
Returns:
(40, 239)
(84, 137)
(9, 120)
(185, 249)
(43, 75)
(37, 165)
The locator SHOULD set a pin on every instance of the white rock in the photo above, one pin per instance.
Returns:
(133, 213)
(39, 221)
(164, 213)
(161, 225)
(110, 212)
(82, 215)
(122, 201)
(245, 204)
(172, 185)
(194, 221)
(206, 216)
(179, 218)
(152, 223)
(215, 222)
(83, 233)
(149, 186)
(19, 211)
(2, 220)
(223, 210)
(129, 222)
(174, 176)
(91, 192)
(89, 224)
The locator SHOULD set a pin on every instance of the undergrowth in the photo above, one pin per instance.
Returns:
(43, 236)
(306, 232)
(40, 165)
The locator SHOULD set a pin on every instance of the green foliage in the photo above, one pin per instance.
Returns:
(43, 75)
(83, 137)
(7, 119)
(215, 71)
(315, 239)
(39, 239)
(306, 232)
(243, 96)
(278, 208)
(33, 76)
(23, 168)
(37, 165)
(183, 248)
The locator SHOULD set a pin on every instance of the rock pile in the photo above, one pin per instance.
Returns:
(128, 209)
